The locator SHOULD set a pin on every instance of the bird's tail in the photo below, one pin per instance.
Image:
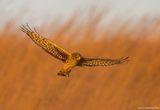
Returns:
(64, 73)
(66, 69)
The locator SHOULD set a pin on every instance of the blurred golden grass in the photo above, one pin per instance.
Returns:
(28, 75)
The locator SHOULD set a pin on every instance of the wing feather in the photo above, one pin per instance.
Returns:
(101, 61)
(46, 44)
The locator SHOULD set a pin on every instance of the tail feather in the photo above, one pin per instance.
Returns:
(62, 72)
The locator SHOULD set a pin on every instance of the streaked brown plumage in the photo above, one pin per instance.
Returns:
(70, 60)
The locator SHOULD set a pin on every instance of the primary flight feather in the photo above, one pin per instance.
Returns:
(70, 59)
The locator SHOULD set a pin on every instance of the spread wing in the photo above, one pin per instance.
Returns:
(46, 44)
(101, 61)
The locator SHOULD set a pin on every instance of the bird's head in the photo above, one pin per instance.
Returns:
(76, 56)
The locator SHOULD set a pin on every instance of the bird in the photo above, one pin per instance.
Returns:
(70, 60)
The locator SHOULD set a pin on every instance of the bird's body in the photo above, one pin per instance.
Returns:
(70, 60)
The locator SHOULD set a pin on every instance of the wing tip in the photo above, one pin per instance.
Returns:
(124, 59)
(26, 28)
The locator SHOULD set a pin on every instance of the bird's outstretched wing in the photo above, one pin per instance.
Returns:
(101, 61)
(46, 44)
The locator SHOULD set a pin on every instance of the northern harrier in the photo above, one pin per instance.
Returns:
(70, 60)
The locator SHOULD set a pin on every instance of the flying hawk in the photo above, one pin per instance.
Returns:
(70, 60)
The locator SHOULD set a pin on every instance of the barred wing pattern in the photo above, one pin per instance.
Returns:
(46, 44)
(101, 61)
